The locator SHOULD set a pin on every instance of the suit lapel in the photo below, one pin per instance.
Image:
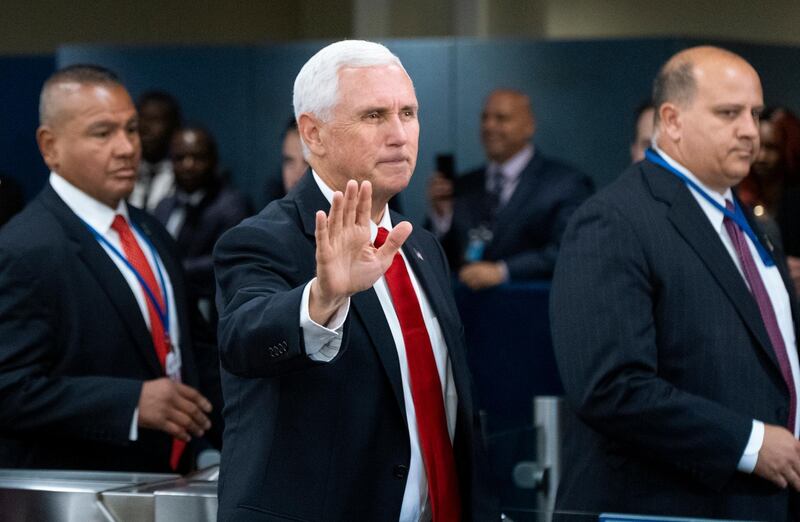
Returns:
(107, 275)
(508, 217)
(692, 224)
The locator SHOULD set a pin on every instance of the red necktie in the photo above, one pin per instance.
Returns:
(426, 390)
(764, 303)
(137, 259)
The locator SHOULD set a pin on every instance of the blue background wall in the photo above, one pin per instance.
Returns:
(583, 92)
(20, 81)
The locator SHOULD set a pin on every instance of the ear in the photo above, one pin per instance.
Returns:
(670, 121)
(310, 131)
(46, 140)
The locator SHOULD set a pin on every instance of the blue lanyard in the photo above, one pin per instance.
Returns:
(163, 315)
(737, 216)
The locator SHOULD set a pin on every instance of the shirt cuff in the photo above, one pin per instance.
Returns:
(133, 434)
(441, 224)
(322, 343)
(750, 456)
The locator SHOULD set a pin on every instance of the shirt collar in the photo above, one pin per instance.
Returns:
(191, 199)
(386, 221)
(513, 167)
(714, 215)
(165, 165)
(98, 215)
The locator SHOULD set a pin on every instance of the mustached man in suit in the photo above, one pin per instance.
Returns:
(503, 222)
(97, 366)
(344, 374)
(674, 323)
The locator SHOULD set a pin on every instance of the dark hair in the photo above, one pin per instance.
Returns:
(164, 98)
(84, 74)
(674, 83)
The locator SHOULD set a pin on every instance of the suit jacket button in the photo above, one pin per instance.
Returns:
(400, 471)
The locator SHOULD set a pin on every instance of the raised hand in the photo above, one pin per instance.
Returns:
(347, 262)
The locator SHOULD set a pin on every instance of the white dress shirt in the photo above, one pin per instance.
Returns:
(323, 343)
(100, 217)
(776, 289)
(177, 218)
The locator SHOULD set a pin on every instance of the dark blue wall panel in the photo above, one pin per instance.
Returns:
(21, 79)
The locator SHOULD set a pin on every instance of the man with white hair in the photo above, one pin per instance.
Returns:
(344, 373)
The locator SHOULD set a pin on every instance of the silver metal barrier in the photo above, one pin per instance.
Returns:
(87, 496)
(543, 474)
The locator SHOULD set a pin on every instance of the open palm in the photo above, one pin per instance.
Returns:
(347, 262)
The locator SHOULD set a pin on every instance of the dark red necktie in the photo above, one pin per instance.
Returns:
(137, 259)
(426, 390)
(764, 303)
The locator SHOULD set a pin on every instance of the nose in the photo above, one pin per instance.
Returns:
(187, 161)
(125, 144)
(396, 129)
(748, 127)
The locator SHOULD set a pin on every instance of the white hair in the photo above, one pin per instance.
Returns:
(316, 88)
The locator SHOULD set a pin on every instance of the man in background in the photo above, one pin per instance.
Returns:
(200, 211)
(503, 222)
(159, 117)
(643, 135)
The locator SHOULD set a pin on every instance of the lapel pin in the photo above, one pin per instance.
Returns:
(418, 255)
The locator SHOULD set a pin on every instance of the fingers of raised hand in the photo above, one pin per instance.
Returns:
(364, 204)
(336, 215)
(351, 194)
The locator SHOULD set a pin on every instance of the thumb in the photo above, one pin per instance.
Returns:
(394, 241)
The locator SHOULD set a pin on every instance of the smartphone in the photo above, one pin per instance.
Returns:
(446, 164)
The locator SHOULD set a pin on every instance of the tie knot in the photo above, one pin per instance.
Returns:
(380, 239)
(498, 180)
(119, 224)
(729, 205)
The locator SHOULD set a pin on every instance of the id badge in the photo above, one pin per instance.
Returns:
(173, 366)
(478, 238)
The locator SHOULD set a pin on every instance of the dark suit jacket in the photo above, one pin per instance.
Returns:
(314, 441)
(528, 229)
(220, 209)
(664, 358)
(74, 347)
